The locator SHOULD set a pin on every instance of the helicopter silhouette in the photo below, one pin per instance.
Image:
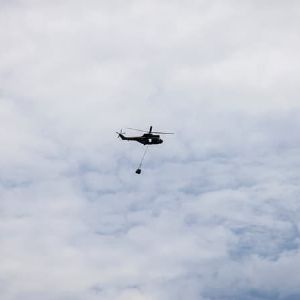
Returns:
(148, 138)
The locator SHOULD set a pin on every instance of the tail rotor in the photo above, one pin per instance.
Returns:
(120, 133)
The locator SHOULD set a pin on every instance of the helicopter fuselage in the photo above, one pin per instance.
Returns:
(145, 139)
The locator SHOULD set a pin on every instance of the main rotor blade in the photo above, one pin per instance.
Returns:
(151, 131)
(163, 132)
(136, 129)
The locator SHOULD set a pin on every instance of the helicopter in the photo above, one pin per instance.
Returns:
(148, 138)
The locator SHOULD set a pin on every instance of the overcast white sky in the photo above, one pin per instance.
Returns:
(215, 214)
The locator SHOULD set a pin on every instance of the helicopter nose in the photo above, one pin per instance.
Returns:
(161, 141)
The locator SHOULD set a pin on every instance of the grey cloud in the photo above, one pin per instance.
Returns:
(215, 214)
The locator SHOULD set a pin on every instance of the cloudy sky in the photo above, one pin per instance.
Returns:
(215, 215)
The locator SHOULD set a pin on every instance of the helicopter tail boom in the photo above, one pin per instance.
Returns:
(123, 137)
